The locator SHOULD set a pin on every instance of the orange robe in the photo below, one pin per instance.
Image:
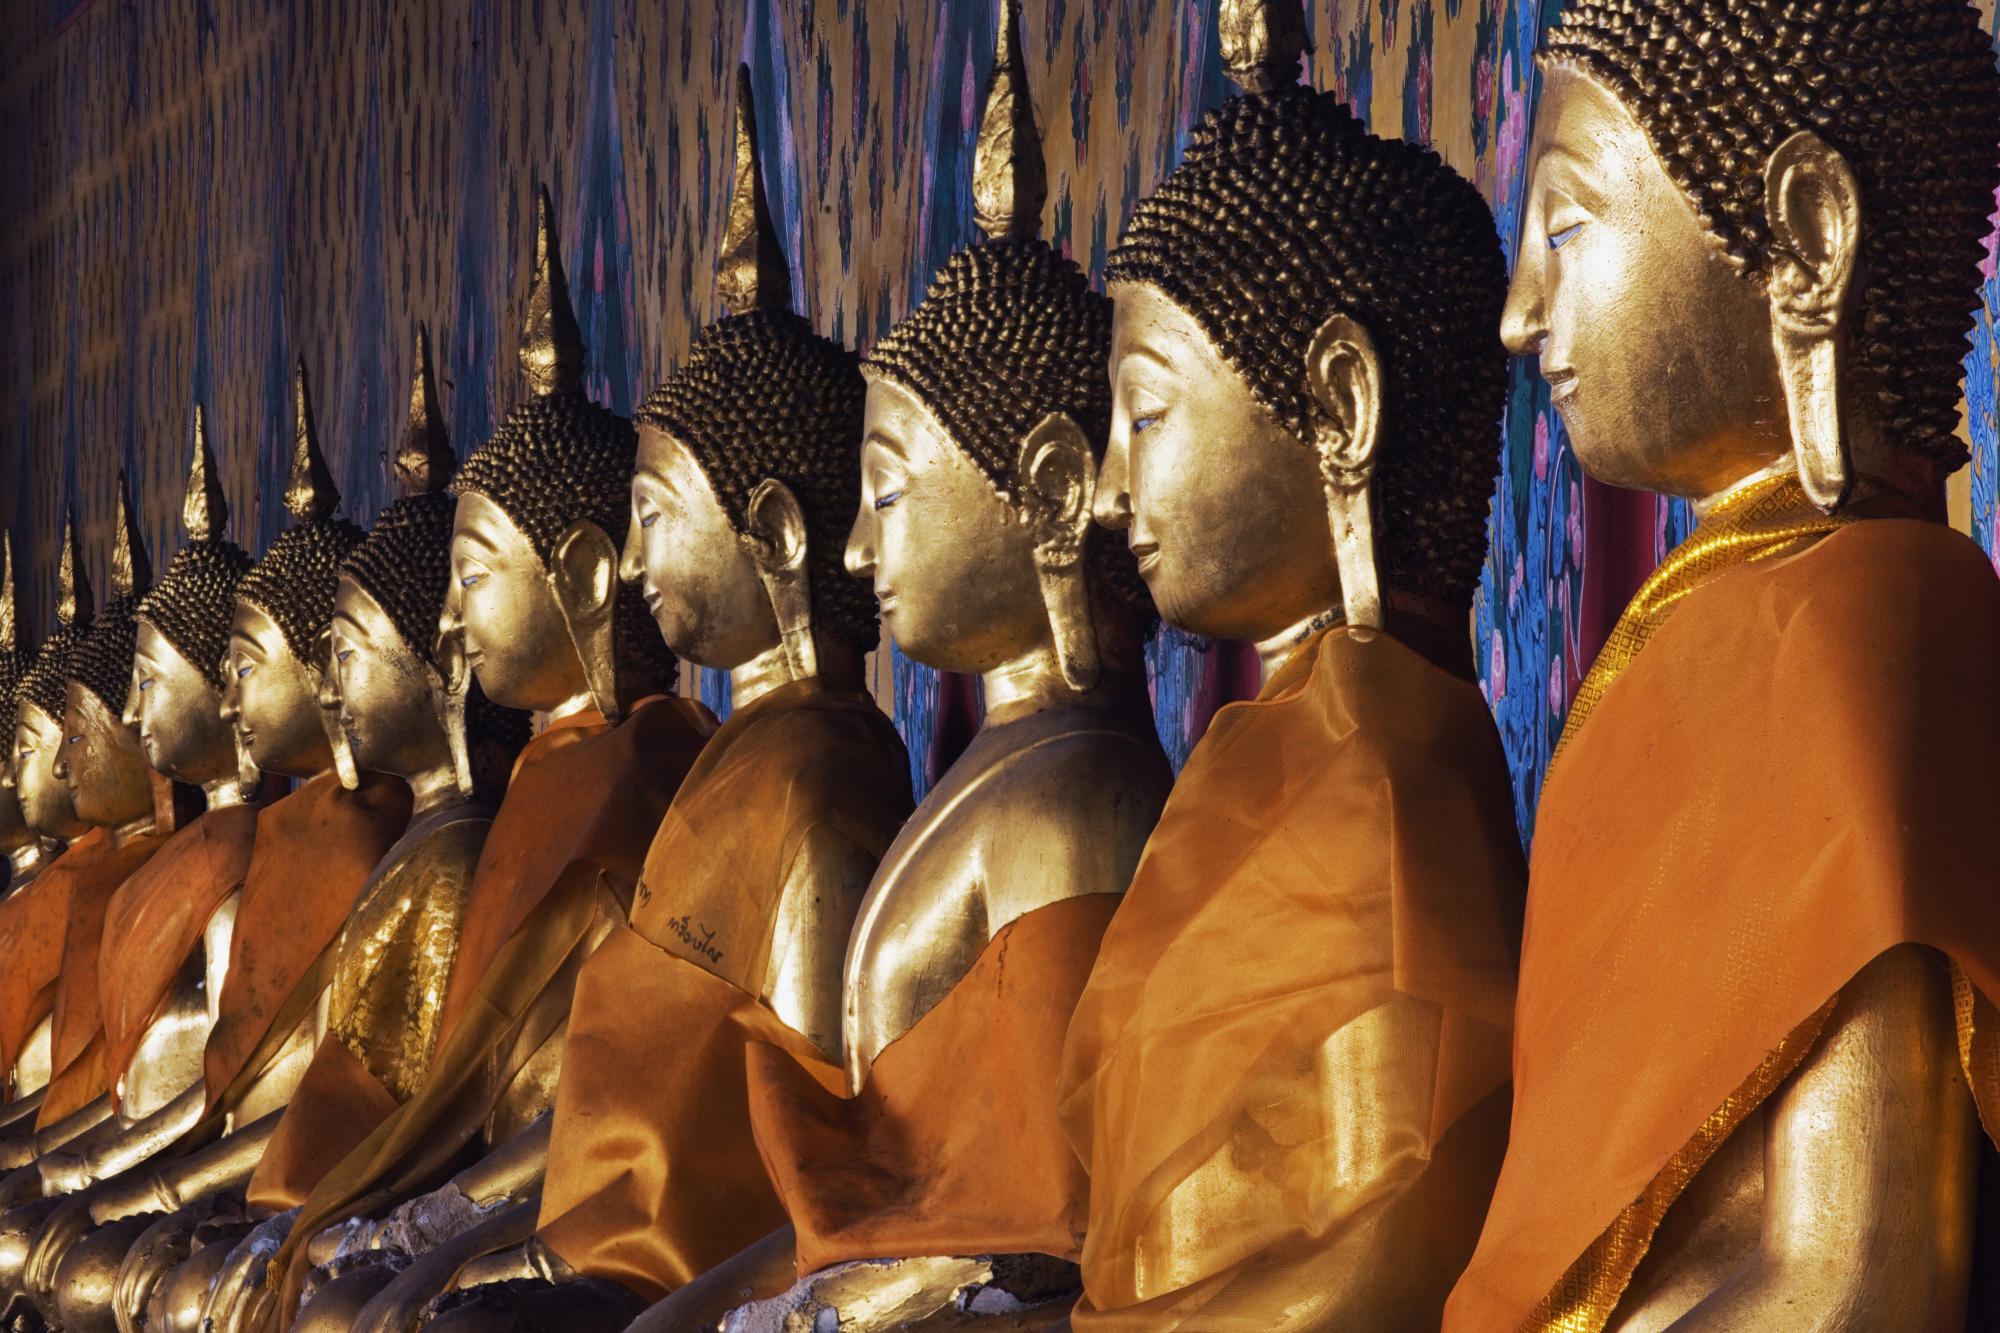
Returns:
(314, 851)
(653, 1172)
(76, 1045)
(1338, 858)
(35, 919)
(156, 920)
(953, 1145)
(565, 850)
(1783, 766)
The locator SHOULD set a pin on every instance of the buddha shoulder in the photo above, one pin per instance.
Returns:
(1055, 806)
(428, 874)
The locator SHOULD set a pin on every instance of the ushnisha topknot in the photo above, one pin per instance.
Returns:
(1283, 212)
(102, 662)
(42, 684)
(194, 603)
(1904, 90)
(558, 457)
(294, 582)
(14, 655)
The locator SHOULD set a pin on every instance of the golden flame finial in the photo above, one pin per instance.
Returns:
(131, 571)
(310, 494)
(205, 509)
(750, 273)
(425, 462)
(1009, 181)
(551, 341)
(1262, 41)
(73, 598)
(9, 636)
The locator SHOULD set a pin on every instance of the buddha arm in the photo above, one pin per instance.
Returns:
(1868, 1172)
(764, 1270)
(146, 1137)
(823, 889)
(224, 1164)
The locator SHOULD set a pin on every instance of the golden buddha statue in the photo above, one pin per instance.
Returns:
(1287, 1076)
(34, 922)
(1761, 948)
(924, 1171)
(534, 615)
(28, 849)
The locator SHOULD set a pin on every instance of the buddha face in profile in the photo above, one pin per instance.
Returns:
(43, 796)
(1764, 272)
(388, 694)
(176, 710)
(515, 632)
(1303, 351)
(102, 762)
(270, 697)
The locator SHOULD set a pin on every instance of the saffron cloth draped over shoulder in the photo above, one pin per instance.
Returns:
(1813, 702)
(653, 1172)
(564, 852)
(156, 919)
(315, 848)
(76, 1041)
(33, 922)
(1297, 1030)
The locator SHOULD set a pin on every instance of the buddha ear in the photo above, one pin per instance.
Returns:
(326, 694)
(1344, 376)
(583, 573)
(1058, 482)
(778, 544)
(1813, 204)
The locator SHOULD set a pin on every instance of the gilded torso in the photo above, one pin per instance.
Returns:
(1051, 806)
(395, 954)
(168, 1060)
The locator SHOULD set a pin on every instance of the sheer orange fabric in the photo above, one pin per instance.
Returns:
(1298, 1023)
(156, 919)
(32, 922)
(953, 1146)
(1792, 773)
(653, 1173)
(314, 851)
(566, 847)
(76, 1046)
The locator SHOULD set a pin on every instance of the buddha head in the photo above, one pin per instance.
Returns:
(175, 703)
(39, 700)
(534, 605)
(101, 760)
(1751, 238)
(746, 475)
(987, 416)
(284, 606)
(15, 832)
(1306, 382)
(388, 681)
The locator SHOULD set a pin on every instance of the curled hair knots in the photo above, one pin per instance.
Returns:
(294, 582)
(102, 662)
(1009, 332)
(193, 605)
(1284, 212)
(42, 684)
(1904, 90)
(13, 668)
(762, 395)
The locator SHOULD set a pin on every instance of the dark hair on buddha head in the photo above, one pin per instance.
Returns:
(405, 565)
(294, 582)
(1009, 332)
(14, 665)
(1283, 212)
(1904, 90)
(193, 605)
(43, 683)
(762, 395)
(102, 662)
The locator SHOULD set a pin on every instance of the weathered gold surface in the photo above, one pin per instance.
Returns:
(750, 272)
(109, 781)
(310, 494)
(509, 615)
(551, 343)
(31, 1067)
(916, 1295)
(73, 599)
(1262, 43)
(131, 568)
(425, 461)
(44, 796)
(205, 507)
(390, 701)
(178, 717)
(396, 950)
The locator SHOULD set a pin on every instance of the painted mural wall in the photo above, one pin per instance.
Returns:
(200, 192)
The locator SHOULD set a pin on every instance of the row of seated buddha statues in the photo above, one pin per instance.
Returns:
(645, 1019)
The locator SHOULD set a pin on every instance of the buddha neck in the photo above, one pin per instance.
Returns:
(27, 859)
(754, 679)
(573, 705)
(1274, 652)
(1426, 625)
(221, 793)
(137, 828)
(1033, 682)
(434, 789)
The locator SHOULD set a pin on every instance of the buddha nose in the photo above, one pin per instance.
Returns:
(1111, 506)
(860, 554)
(631, 563)
(60, 769)
(1524, 322)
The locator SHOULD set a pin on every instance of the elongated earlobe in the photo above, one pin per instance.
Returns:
(1814, 206)
(1344, 375)
(583, 573)
(1058, 481)
(777, 542)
